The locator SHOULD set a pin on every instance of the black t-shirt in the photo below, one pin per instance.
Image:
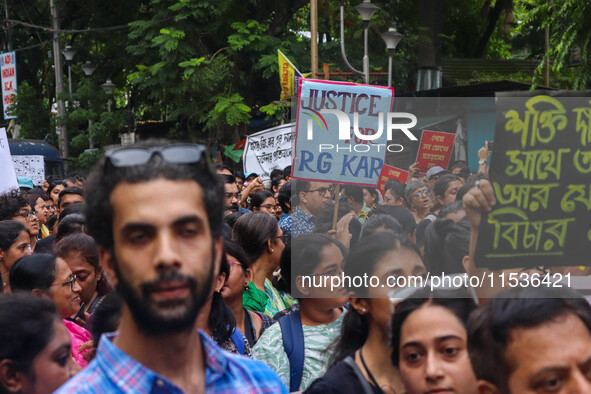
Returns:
(340, 378)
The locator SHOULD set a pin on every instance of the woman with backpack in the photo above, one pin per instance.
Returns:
(295, 348)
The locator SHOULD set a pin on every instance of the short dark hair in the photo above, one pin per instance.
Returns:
(300, 186)
(252, 231)
(26, 328)
(381, 221)
(276, 173)
(356, 192)
(11, 203)
(77, 207)
(397, 188)
(221, 167)
(287, 171)
(9, 232)
(106, 177)
(490, 327)
(69, 190)
(227, 179)
(455, 301)
(36, 271)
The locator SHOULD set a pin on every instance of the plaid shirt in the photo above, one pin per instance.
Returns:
(114, 371)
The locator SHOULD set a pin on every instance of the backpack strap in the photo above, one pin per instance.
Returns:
(238, 340)
(293, 344)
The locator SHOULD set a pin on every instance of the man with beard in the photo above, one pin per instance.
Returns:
(155, 210)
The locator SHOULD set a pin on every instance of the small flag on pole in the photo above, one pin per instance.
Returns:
(289, 76)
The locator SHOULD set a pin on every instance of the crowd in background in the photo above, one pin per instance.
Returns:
(76, 310)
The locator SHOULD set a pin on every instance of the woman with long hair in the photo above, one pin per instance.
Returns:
(250, 323)
(361, 354)
(260, 237)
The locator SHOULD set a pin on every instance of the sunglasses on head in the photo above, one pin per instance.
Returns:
(172, 154)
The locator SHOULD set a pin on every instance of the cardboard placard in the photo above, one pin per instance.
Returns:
(540, 172)
(435, 149)
(7, 176)
(31, 166)
(341, 132)
(390, 172)
(268, 149)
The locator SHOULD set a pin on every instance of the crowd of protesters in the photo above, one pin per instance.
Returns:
(160, 273)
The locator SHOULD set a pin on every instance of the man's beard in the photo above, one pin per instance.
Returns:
(232, 208)
(167, 316)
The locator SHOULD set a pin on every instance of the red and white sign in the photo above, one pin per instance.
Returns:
(435, 149)
(387, 173)
(8, 71)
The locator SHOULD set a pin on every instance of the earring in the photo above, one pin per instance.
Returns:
(363, 310)
(272, 250)
(246, 288)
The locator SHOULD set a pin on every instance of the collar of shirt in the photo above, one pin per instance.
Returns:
(300, 213)
(128, 374)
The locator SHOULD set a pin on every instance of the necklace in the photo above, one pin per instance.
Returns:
(368, 372)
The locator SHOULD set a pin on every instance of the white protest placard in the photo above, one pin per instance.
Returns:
(269, 149)
(31, 166)
(7, 174)
(8, 71)
(342, 132)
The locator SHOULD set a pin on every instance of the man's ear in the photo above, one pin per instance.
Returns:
(108, 263)
(303, 197)
(10, 378)
(485, 387)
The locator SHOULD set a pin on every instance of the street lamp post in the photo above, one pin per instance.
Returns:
(366, 10)
(89, 68)
(69, 53)
(392, 38)
(109, 87)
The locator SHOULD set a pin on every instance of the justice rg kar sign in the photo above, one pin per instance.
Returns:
(342, 132)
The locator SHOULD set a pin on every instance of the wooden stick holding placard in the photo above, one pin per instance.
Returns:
(337, 193)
